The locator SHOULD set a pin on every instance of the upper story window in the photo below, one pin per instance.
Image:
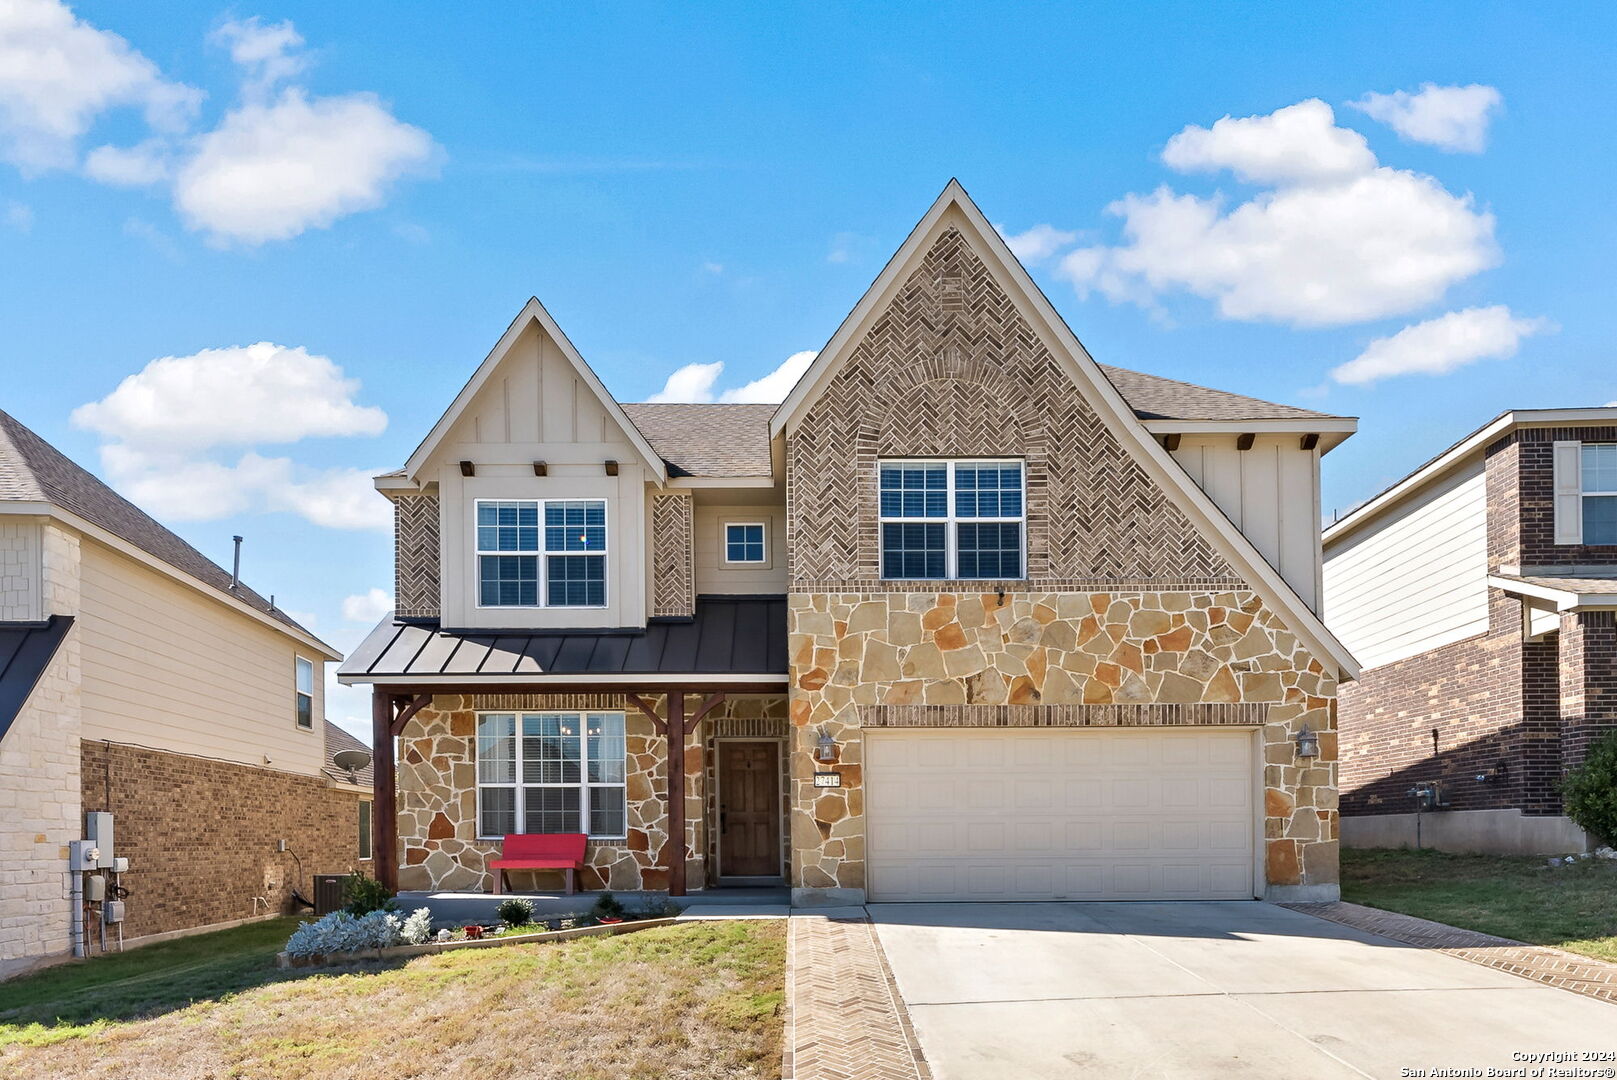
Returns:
(541, 552)
(304, 701)
(744, 542)
(1599, 490)
(551, 772)
(952, 519)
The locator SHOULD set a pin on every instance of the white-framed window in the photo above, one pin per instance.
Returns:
(746, 542)
(945, 519)
(364, 829)
(1598, 488)
(541, 552)
(303, 703)
(551, 772)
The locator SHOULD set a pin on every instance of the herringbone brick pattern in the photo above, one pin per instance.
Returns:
(1555, 967)
(415, 567)
(951, 368)
(845, 1020)
(673, 568)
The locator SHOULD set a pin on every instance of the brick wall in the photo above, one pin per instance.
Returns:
(1536, 506)
(200, 834)
(1588, 681)
(415, 566)
(673, 565)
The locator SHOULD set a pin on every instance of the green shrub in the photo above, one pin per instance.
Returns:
(515, 911)
(363, 895)
(1589, 791)
(607, 907)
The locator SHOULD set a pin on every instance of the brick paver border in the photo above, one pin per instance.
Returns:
(845, 1019)
(1554, 967)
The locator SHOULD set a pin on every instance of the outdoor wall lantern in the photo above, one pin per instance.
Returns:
(1307, 743)
(825, 748)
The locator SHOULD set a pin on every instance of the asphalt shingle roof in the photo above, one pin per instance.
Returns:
(32, 470)
(1154, 398)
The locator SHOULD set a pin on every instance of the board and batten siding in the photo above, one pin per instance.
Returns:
(164, 667)
(1270, 493)
(1415, 579)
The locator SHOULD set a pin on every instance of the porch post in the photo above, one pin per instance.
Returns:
(676, 793)
(384, 812)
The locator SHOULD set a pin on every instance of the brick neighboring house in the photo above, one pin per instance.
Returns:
(967, 616)
(136, 678)
(1480, 594)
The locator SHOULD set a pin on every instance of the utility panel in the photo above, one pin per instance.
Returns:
(98, 829)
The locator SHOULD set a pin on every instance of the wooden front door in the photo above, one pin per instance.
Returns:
(749, 809)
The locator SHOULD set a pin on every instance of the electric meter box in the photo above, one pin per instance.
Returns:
(120, 865)
(112, 911)
(95, 888)
(98, 828)
(82, 855)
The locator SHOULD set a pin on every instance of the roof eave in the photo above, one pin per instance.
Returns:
(1332, 431)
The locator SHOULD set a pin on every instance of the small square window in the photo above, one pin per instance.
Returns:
(744, 542)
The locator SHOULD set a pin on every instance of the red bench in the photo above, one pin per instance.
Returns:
(542, 851)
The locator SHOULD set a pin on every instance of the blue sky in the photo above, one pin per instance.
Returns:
(376, 189)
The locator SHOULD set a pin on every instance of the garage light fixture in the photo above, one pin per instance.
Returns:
(1307, 743)
(825, 748)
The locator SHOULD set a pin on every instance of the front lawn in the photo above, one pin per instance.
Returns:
(691, 1001)
(1570, 907)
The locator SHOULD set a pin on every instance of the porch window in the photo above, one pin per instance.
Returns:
(565, 556)
(952, 519)
(551, 772)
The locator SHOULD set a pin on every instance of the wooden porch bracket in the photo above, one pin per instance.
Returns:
(651, 714)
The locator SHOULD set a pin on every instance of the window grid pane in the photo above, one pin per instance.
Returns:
(744, 543)
(1600, 519)
(607, 751)
(497, 749)
(915, 490)
(508, 580)
(916, 550)
(550, 749)
(990, 550)
(576, 581)
(1599, 467)
(499, 815)
(607, 816)
(551, 810)
(988, 491)
(508, 526)
(575, 525)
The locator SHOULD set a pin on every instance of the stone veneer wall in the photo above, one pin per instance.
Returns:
(20, 592)
(1074, 659)
(437, 791)
(39, 778)
(200, 834)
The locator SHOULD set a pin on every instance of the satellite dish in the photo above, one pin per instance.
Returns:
(351, 760)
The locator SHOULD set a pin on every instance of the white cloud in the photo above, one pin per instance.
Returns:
(19, 216)
(1327, 246)
(1438, 346)
(774, 387)
(141, 165)
(1451, 118)
(59, 74)
(1038, 243)
(266, 54)
(162, 426)
(236, 396)
(367, 607)
(693, 382)
(272, 171)
(847, 247)
(1298, 143)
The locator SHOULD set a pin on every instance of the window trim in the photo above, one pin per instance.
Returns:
(583, 786)
(1585, 496)
(951, 521)
(724, 545)
(543, 580)
(298, 694)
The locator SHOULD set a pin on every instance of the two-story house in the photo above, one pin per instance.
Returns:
(967, 616)
(139, 679)
(1480, 594)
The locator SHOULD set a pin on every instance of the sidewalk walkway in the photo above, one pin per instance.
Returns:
(1554, 967)
(845, 1020)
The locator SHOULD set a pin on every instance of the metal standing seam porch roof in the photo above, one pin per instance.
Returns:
(728, 636)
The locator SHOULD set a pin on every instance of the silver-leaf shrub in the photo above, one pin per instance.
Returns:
(418, 927)
(341, 932)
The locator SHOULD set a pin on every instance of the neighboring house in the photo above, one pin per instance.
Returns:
(1480, 594)
(954, 621)
(137, 678)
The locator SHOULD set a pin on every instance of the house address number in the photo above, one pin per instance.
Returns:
(827, 779)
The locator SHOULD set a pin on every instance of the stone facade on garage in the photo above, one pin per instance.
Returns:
(437, 790)
(1071, 659)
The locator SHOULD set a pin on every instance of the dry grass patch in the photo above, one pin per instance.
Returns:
(695, 1001)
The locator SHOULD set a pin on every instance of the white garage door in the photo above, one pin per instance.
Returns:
(1060, 814)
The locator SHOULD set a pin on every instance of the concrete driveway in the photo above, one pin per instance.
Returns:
(1026, 991)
